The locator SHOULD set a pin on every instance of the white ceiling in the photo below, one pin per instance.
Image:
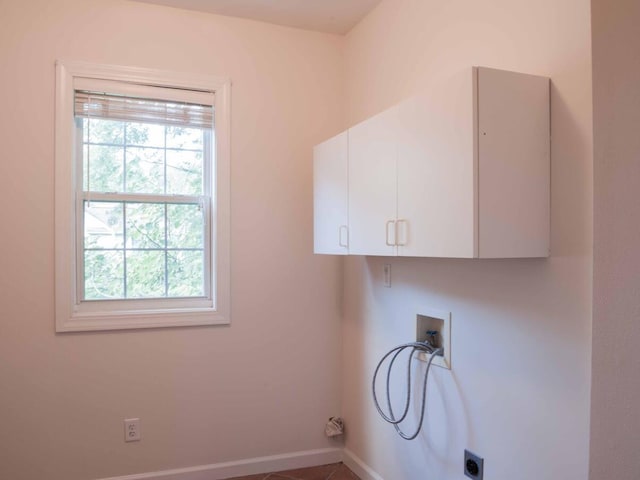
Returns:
(333, 16)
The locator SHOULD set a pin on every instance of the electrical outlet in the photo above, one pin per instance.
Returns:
(387, 275)
(132, 430)
(473, 465)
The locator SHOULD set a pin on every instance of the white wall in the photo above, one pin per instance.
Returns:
(518, 394)
(615, 416)
(263, 386)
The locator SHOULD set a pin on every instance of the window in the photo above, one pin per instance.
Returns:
(142, 198)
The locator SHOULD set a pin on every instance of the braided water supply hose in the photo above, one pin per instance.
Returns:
(391, 417)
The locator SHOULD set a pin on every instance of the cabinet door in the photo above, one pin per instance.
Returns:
(514, 164)
(330, 215)
(372, 185)
(436, 170)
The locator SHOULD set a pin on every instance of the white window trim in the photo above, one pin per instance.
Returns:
(71, 318)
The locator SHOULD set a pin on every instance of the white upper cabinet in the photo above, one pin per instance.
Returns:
(331, 234)
(461, 170)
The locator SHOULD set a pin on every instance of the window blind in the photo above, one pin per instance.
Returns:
(126, 108)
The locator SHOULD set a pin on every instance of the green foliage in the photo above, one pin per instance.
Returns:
(104, 275)
(145, 274)
(145, 226)
(186, 273)
(145, 170)
(185, 226)
(184, 172)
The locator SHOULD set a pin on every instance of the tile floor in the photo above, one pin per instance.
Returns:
(333, 471)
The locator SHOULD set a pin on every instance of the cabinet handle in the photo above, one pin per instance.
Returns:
(390, 244)
(404, 232)
(343, 228)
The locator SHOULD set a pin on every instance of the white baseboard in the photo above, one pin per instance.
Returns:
(220, 471)
(357, 466)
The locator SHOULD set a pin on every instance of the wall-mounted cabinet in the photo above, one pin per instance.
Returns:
(462, 170)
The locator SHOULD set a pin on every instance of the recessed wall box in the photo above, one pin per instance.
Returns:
(435, 327)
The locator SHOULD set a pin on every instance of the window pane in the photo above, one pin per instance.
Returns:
(186, 273)
(145, 225)
(185, 138)
(103, 275)
(184, 172)
(105, 168)
(103, 225)
(145, 134)
(185, 226)
(104, 131)
(145, 274)
(145, 170)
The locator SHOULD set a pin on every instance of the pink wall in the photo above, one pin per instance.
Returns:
(615, 417)
(263, 386)
(518, 393)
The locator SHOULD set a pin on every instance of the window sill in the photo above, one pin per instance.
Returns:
(127, 320)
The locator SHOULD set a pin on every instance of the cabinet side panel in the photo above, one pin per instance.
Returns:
(514, 164)
(436, 169)
(330, 196)
(372, 184)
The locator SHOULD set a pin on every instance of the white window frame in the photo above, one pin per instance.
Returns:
(71, 313)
